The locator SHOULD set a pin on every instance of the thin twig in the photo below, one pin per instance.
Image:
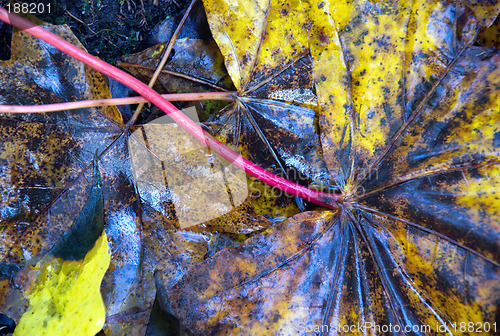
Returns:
(81, 22)
(164, 59)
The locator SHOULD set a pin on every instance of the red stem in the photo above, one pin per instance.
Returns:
(325, 199)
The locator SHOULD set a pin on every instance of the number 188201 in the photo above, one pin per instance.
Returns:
(28, 8)
(468, 327)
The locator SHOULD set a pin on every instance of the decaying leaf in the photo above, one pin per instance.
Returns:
(65, 296)
(269, 63)
(46, 178)
(193, 58)
(254, 122)
(196, 66)
(409, 118)
(210, 191)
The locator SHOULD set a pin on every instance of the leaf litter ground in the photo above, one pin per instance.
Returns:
(408, 124)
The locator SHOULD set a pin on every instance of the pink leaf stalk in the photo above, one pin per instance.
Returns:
(322, 198)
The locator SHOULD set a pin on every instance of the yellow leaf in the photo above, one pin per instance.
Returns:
(255, 37)
(409, 129)
(66, 297)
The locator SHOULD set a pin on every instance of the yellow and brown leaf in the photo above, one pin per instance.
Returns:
(266, 55)
(46, 178)
(409, 125)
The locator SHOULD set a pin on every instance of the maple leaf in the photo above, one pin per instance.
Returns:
(46, 175)
(269, 63)
(409, 127)
(65, 297)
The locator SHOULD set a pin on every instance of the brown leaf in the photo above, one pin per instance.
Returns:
(409, 128)
(46, 176)
(196, 66)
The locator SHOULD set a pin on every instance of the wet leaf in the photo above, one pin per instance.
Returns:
(46, 178)
(395, 60)
(163, 323)
(65, 296)
(254, 123)
(273, 121)
(409, 125)
(257, 126)
(491, 36)
(196, 66)
(192, 57)
(287, 146)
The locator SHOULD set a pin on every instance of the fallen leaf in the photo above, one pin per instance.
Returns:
(250, 124)
(65, 296)
(46, 178)
(194, 58)
(254, 122)
(273, 121)
(163, 323)
(196, 66)
(409, 126)
(268, 61)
